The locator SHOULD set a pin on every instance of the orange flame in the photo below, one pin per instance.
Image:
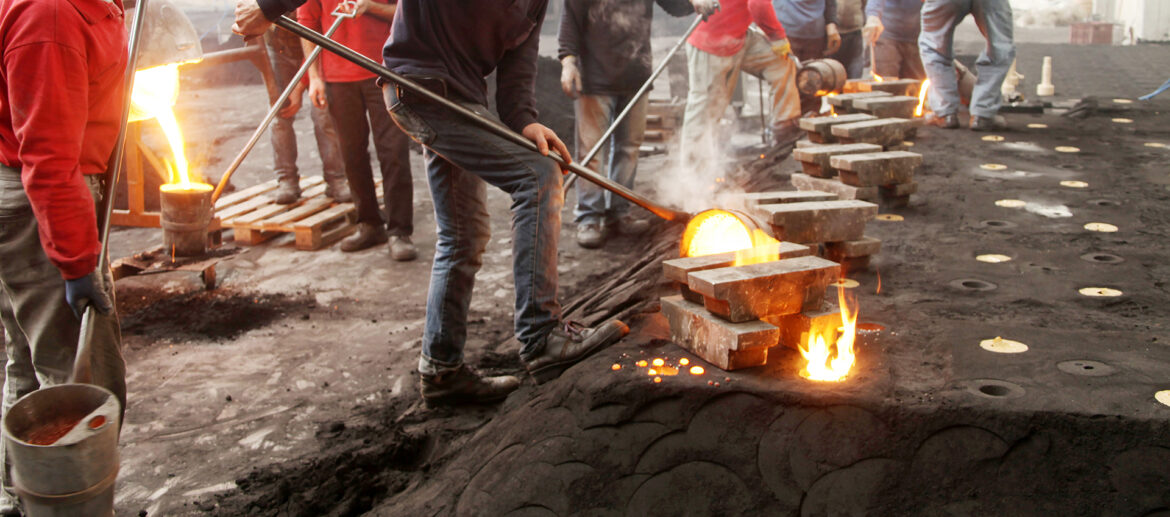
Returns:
(155, 92)
(822, 365)
(922, 97)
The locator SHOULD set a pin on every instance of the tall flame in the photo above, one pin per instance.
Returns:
(822, 365)
(922, 97)
(155, 92)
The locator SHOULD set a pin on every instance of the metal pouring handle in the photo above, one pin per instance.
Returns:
(350, 55)
(82, 370)
(634, 100)
(276, 105)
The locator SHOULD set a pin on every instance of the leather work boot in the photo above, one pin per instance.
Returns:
(569, 344)
(338, 190)
(984, 124)
(288, 191)
(402, 249)
(589, 235)
(632, 226)
(464, 386)
(946, 121)
(367, 234)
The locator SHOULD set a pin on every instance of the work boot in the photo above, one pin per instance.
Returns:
(589, 235)
(944, 121)
(630, 225)
(401, 249)
(464, 386)
(338, 190)
(984, 124)
(288, 191)
(368, 234)
(569, 344)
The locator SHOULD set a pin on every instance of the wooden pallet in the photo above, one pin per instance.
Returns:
(315, 220)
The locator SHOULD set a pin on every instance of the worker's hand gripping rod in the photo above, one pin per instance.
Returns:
(82, 368)
(634, 100)
(345, 9)
(349, 55)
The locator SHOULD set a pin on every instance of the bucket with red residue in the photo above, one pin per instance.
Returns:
(62, 443)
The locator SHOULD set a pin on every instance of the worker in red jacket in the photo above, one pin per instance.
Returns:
(62, 65)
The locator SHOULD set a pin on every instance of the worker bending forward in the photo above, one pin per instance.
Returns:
(449, 47)
(61, 96)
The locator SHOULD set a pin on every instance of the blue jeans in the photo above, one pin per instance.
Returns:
(462, 159)
(594, 115)
(936, 43)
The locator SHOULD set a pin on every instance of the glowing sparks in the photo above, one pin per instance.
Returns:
(877, 78)
(642, 363)
(657, 380)
(155, 92)
(822, 364)
(922, 98)
(696, 370)
(615, 367)
(658, 362)
(651, 372)
(684, 361)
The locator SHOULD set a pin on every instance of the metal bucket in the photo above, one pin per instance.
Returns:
(73, 475)
(186, 214)
(820, 77)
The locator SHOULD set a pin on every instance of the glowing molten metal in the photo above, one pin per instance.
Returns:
(921, 97)
(877, 78)
(719, 231)
(155, 92)
(822, 366)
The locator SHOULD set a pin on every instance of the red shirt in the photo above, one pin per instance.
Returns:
(723, 32)
(62, 65)
(366, 34)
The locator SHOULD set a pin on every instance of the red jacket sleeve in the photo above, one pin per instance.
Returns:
(49, 116)
(764, 15)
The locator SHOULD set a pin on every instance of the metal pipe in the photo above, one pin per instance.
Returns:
(81, 367)
(630, 106)
(292, 84)
(348, 54)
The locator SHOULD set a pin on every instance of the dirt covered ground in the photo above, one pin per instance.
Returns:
(290, 389)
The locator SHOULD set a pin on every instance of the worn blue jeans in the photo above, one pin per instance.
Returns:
(620, 154)
(462, 159)
(936, 43)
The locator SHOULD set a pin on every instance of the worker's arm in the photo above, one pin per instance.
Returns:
(379, 9)
(831, 12)
(873, 21)
(49, 116)
(253, 17)
(570, 46)
(676, 7)
(832, 35)
(516, 90)
(309, 15)
(764, 16)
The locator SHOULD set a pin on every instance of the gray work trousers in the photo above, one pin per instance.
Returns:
(936, 43)
(40, 330)
(595, 113)
(286, 56)
(899, 59)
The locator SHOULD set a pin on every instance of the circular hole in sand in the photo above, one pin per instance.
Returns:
(1100, 292)
(993, 258)
(1086, 368)
(1000, 345)
(1163, 397)
(1100, 227)
(994, 388)
(996, 223)
(1067, 149)
(972, 284)
(1102, 258)
(1011, 203)
(1074, 184)
(1069, 166)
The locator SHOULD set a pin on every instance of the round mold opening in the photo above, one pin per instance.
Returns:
(1103, 202)
(994, 389)
(1102, 258)
(972, 284)
(997, 224)
(870, 327)
(1086, 368)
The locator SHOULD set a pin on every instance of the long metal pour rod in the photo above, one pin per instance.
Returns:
(634, 100)
(292, 84)
(82, 371)
(348, 54)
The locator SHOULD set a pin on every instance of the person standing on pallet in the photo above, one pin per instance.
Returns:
(811, 26)
(892, 28)
(449, 46)
(284, 51)
(717, 51)
(936, 43)
(62, 66)
(605, 58)
(355, 102)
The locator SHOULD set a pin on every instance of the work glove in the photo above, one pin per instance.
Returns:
(83, 292)
(782, 48)
(872, 30)
(832, 39)
(570, 77)
(705, 8)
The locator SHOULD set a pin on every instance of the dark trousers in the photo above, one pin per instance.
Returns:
(357, 107)
(807, 49)
(851, 54)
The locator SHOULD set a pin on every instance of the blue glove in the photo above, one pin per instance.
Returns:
(84, 291)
